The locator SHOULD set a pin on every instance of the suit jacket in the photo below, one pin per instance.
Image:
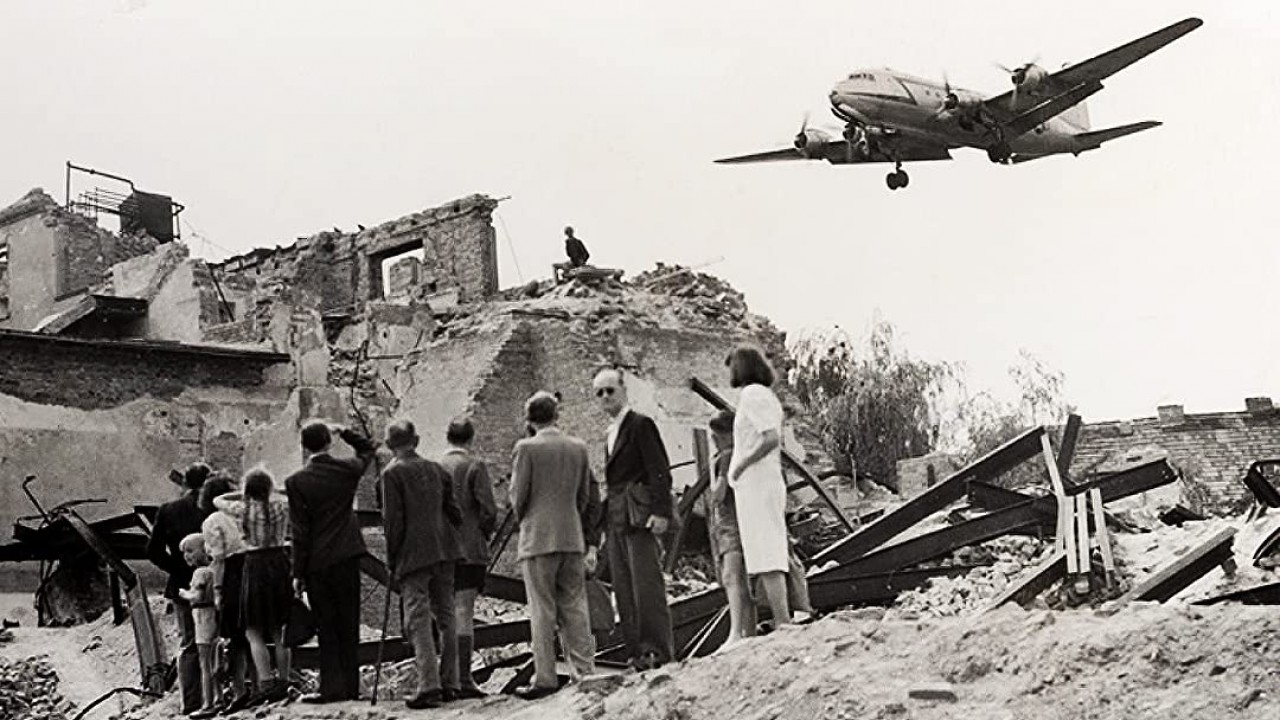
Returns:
(551, 493)
(321, 497)
(175, 520)
(639, 468)
(474, 493)
(420, 516)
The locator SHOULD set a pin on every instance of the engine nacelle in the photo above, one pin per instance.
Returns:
(1028, 77)
(812, 143)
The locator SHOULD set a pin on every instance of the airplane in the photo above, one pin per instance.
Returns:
(894, 117)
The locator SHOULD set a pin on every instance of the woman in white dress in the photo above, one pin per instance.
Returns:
(755, 473)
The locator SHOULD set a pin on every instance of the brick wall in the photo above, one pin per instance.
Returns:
(40, 369)
(1213, 450)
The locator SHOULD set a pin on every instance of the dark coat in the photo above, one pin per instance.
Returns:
(637, 474)
(321, 498)
(473, 490)
(175, 520)
(420, 516)
(577, 252)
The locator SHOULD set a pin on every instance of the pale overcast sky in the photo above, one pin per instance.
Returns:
(1145, 271)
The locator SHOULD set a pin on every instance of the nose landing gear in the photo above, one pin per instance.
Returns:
(898, 178)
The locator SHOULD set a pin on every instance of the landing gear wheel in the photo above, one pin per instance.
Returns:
(897, 179)
(999, 153)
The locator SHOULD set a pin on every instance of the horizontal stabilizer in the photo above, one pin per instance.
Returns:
(1093, 139)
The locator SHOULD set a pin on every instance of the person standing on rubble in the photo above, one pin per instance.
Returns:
(638, 510)
(420, 515)
(724, 526)
(474, 493)
(327, 546)
(265, 594)
(551, 491)
(175, 520)
(755, 474)
(224, 542)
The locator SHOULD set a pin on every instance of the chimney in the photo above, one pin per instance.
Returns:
(1170, 414)
(1258, 404)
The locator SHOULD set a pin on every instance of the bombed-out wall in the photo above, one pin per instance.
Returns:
(97, 419)
(54, 255)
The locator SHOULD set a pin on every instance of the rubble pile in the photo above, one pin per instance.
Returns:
(705, 294)
(1004, 560)
(29, 691)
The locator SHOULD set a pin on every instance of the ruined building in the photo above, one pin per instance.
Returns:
(122, 357)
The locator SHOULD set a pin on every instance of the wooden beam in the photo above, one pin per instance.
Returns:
(705, 392)
(1031, 584)
(684, 510)
(986, 468)
(1081, 531)
(829, 593)
(1067, 451)
(908, 553)
(1104, 536)
(1178, 575)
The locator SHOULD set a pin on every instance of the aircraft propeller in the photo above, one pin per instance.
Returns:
(1019, 76)
(802, 137)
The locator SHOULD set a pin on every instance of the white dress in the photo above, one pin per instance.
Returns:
(760, 492)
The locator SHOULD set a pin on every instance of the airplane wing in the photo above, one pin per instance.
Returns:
(1097, 69)
(837, 152)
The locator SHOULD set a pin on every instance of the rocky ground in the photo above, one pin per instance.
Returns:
(935, 654)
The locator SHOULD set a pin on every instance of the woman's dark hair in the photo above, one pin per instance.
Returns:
(460, 431)
(219, 484)
(748, 366)
(257, 491)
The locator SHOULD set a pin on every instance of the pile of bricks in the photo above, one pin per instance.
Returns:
(29, 691)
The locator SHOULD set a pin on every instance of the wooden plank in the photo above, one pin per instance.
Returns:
(1031, 584)
(687, 501)
(1063, 532)
(1067, 453)
(1067, 533)
(1082, 531)
(929, 546)
(1104, 535)
(829, 593)
(889, 526)
(702, 460)
(1176, 576)
(1266, 594)
(705, 392)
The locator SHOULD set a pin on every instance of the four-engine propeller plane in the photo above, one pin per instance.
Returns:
(894, 117)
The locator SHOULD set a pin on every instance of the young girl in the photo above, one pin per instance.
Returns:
(200, 595)
(266, 592)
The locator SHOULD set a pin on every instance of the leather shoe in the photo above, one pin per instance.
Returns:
(424, 700)
(535, 692)
(469, 693)
(318, 699)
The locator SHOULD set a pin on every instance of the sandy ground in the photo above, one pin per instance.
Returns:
(1168, 661)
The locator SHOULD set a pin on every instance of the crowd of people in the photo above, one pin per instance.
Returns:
(241, 557)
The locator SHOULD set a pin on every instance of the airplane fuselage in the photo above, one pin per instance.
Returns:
(917, 107)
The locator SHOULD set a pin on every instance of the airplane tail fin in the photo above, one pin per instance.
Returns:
(1091, 140)
(1077, 116)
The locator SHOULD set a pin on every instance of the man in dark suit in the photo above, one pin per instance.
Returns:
(421, 517)
(638, 509)
(551, 493)
(327, 547)
(175, 520)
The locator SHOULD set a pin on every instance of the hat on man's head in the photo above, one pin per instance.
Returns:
(401, 433)
(541, 407)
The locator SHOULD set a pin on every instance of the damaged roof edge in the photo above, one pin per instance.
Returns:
(151, 346)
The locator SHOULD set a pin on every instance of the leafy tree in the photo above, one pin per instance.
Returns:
(877, 405)
(986, 423)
